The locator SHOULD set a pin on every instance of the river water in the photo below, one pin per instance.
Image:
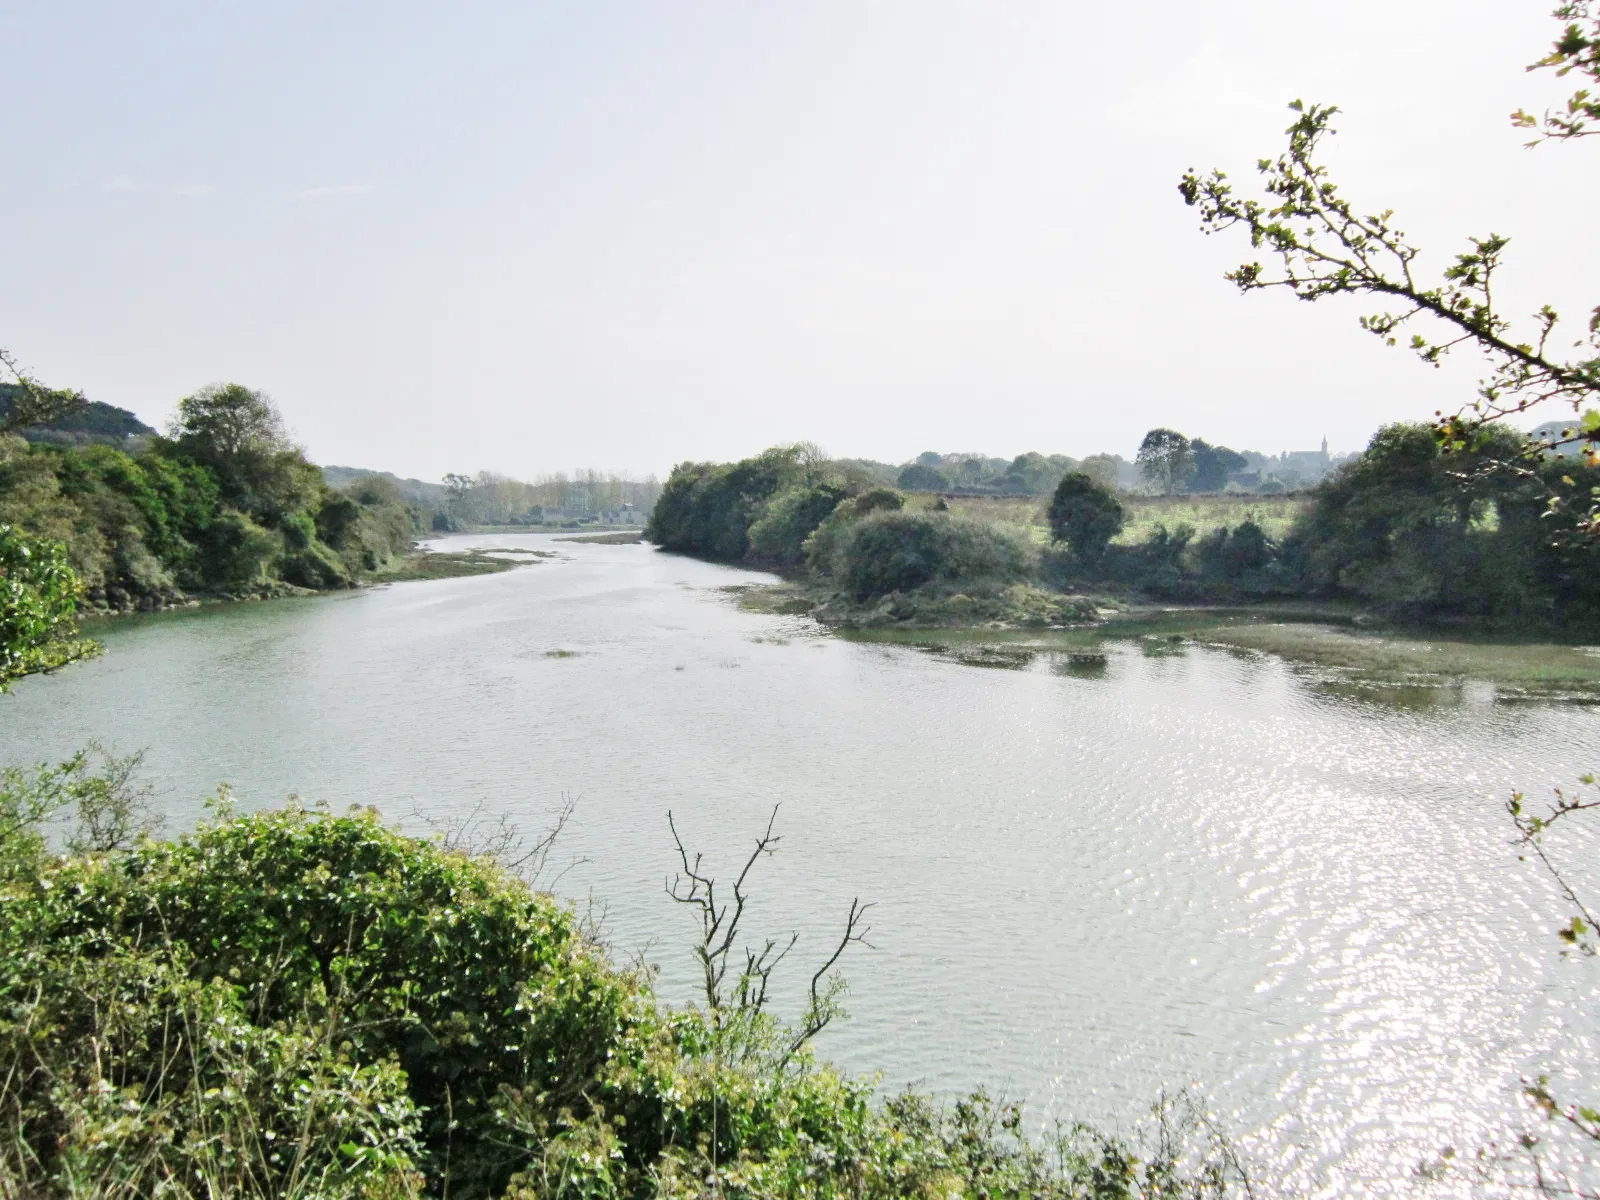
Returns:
(1189, 868)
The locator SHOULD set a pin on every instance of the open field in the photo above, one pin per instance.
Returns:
(1275, 514)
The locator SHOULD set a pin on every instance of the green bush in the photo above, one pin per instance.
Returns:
(1086, 515)
(298, 1004)
(1426, 535)
(821, 544)
(789, 518)
(897, 551)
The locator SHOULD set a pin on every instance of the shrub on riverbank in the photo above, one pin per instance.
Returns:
(297, 1004)
(900, 551)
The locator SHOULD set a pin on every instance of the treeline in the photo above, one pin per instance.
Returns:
(789, 508)
(1406, 528)
(490, 499)
(226, 505)
(1415, 533)
(1030, 474)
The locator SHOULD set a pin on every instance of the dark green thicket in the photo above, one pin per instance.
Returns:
(1426, 534)
(1085, 515)
(1412, 531)
(225, 506)
(1407, 528)
(86, 423)
(899, 551)
(297, 1004)
(707, 509)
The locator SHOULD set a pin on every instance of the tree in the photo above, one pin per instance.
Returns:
(1166, 460)
(38, 597)
(1085, 515)
(223, 422)
(919, 477)
(1212, 465)
(239, 434)
(1326, 246)
(1102, 468)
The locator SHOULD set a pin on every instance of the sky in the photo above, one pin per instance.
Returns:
(529, 237)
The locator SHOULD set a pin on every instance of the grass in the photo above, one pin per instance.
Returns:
(1275, 514)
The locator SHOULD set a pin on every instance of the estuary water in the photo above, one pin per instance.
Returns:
(1183, 867)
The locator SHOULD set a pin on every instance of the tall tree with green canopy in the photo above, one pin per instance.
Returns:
(1211, 466)
(1166, 460)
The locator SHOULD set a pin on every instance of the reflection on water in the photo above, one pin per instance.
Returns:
(1084, 665)
(1095, 876)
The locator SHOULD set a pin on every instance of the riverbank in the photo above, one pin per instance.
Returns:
(418, 565)
(451, 564)
(1013, 625)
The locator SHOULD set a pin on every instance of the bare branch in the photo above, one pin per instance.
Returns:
(823, 1005)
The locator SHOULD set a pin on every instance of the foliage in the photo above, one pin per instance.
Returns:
(898, 551)
(822, 544)
(1166, 460)
(225, 424)
(919, 477)
(91, 421)
(225, 507)
(1102, 468)
(1085, 515)
(1326, 246)
(38, 598)
(297, 1004)
(779, 534)
(1212, 465)
(1426, 534)
(490, 499)
(707, 509)
(1029, 474)
(1577, 49)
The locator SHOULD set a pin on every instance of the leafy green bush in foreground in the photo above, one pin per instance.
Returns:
(298, 1004)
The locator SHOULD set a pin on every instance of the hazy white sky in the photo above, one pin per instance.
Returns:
(529, 237)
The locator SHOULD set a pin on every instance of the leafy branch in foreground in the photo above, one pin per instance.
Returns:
(39, 593)
(1579, 932)
(1325, 246)
(1577, 49)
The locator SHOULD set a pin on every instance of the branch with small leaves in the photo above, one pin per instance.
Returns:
(1577, 49)
(1579, 932)
(1326, 246)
